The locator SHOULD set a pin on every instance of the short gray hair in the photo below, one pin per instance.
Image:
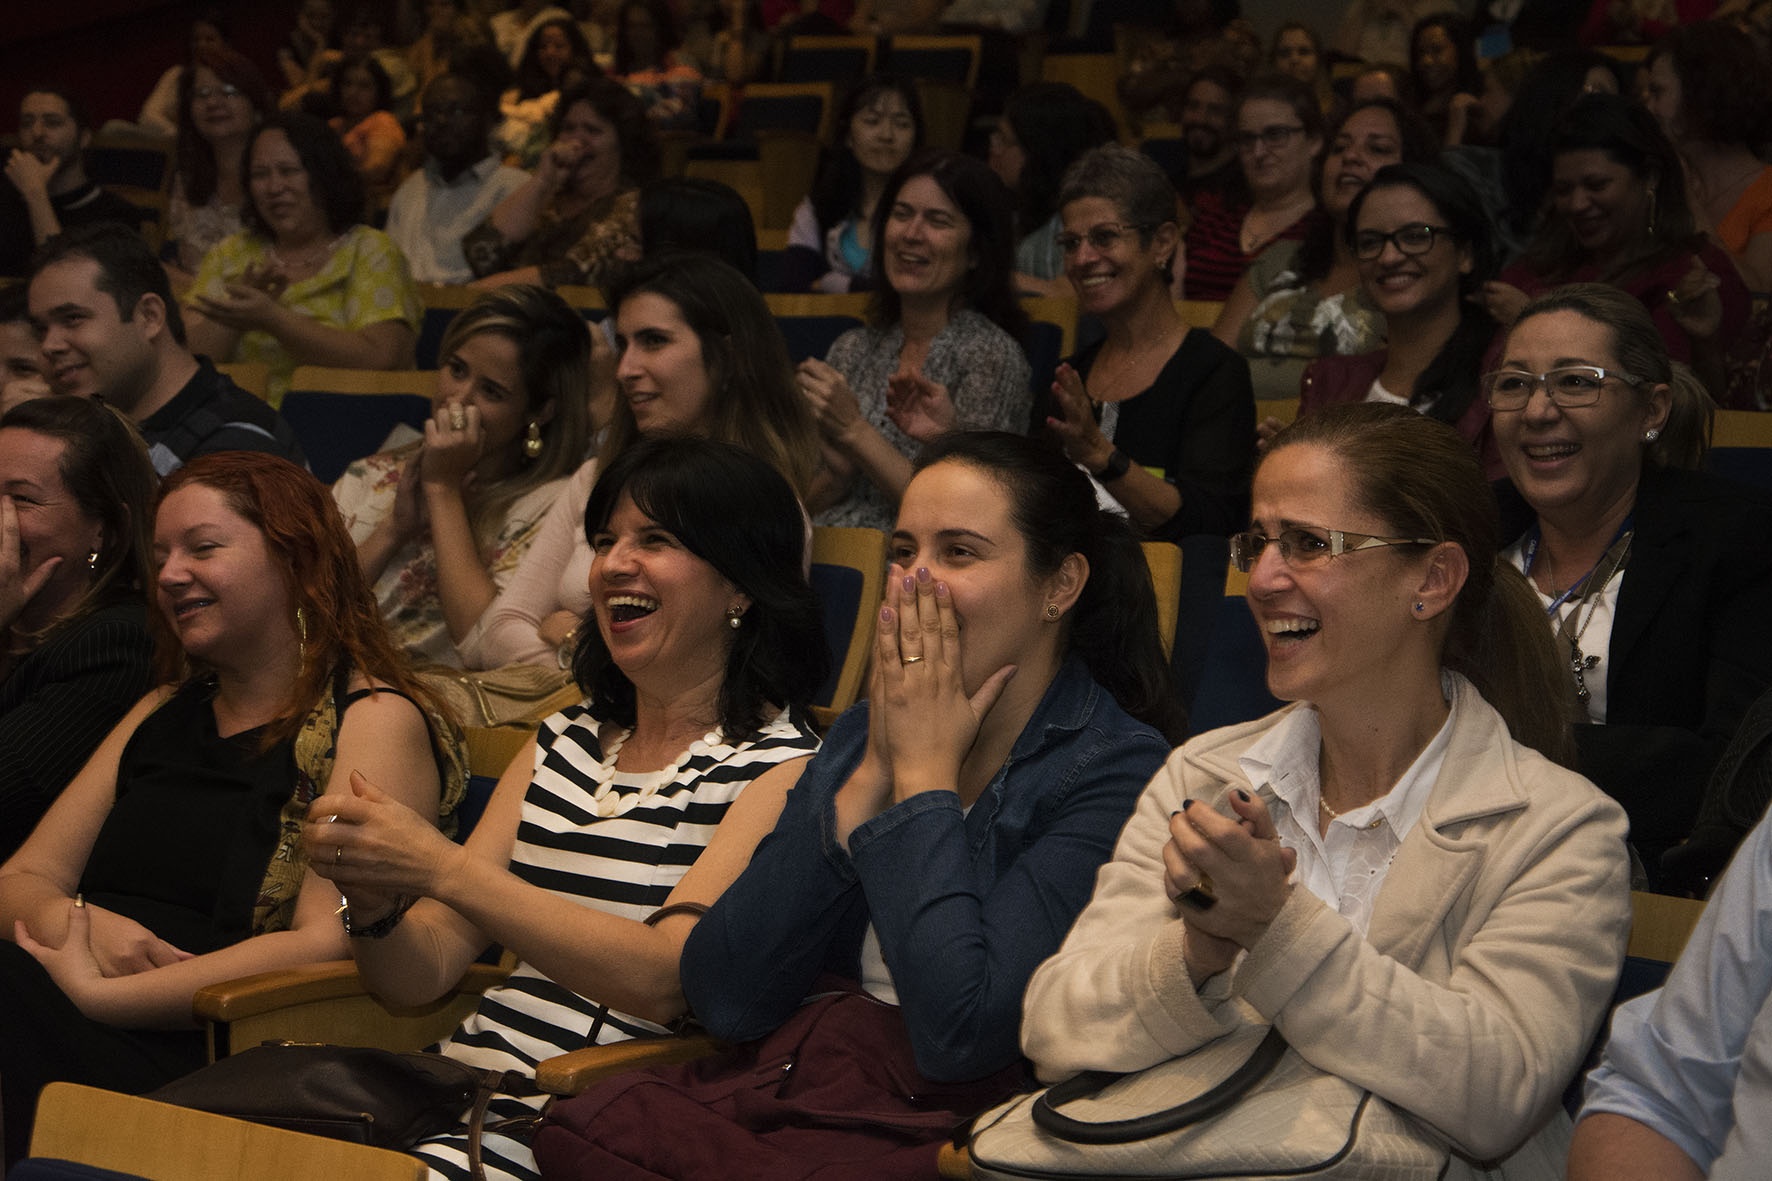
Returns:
(1130, 179)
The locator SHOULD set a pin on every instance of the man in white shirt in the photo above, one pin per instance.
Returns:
(458, 187)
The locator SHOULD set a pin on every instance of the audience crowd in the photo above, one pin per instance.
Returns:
(1474, 280)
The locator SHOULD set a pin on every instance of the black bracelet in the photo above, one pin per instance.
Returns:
(1118, 464)
(381, 927)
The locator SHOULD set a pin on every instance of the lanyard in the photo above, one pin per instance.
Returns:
(1530, 551)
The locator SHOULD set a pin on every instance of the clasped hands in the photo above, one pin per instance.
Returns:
(1238, 864)
(249, 304)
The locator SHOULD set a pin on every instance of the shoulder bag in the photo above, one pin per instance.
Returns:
(1246, 1107)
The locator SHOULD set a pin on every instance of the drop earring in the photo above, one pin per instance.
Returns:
(92, 561)
(301, 633)
(532, 440)
(734, 618)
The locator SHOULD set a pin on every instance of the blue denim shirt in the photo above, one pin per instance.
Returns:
(966, 905)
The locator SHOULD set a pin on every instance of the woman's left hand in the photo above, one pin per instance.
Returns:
(73, 966)
(368, 843)
(931, 719)
(241, 307)
(1074, 423)
(920, 408)
(454, 443)
(1694, 302)
(1241, 856)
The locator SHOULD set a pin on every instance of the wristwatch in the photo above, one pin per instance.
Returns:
(1118, 464)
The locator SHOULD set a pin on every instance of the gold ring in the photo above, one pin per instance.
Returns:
(338, 855)
(911, 660)
(458, 419)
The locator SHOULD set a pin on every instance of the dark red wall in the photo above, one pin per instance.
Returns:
(111, 52)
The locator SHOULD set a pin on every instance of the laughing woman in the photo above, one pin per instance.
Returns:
(940, 350)
(173, 860)
(1408, 885)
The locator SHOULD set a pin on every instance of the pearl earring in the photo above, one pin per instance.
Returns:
(734, 618)
(532, 440)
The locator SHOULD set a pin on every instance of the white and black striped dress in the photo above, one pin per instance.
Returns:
(620, 846)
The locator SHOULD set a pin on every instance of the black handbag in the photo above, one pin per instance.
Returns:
(368, 1096)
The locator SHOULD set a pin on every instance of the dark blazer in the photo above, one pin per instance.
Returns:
(58, 704)
(1691, 646)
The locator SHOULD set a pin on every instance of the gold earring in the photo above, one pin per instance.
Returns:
(1051, 610)
(301, 633)
(532, 440)
(92, 561)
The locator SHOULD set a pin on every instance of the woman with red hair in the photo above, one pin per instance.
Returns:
(173, 860)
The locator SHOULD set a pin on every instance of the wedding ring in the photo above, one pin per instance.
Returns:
(458, 419)
(911, 660)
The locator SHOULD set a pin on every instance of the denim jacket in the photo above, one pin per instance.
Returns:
(966, 905)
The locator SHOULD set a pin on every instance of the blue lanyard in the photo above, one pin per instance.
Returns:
(1530, 552)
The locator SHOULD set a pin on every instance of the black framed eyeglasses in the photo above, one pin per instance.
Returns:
(1308, 545)
(1411, 240)
(1566, 385)
(1273, 136)
(1101, 238)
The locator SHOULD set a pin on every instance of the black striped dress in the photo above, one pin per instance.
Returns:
(619, 846)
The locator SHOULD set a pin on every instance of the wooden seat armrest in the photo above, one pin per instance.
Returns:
(266, 992)
(571, 1073)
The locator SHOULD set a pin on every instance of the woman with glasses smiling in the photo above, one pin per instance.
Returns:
(1160, 415)
(1421, 241)
(221, 98)
(1394, 870)
(1654, 579)
(1279, 138)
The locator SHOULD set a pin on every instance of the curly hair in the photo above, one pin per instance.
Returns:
(336, 612)
(616, 105)
(334, 184)
(736, 513)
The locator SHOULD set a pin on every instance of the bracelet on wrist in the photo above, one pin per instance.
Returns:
(1118, 464)
(381, 927)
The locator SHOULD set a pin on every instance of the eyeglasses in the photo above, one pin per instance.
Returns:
(1410, 240)
(1567, 385)
(1310, 546)
(1274, 136)
(225, 90)
(1102, 238)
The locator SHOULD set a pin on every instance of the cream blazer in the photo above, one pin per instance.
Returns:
(1494, 947)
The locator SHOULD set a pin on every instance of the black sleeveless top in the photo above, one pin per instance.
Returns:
(184, 849)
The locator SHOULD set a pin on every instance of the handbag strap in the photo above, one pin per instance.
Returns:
(1208, 1103)
(495, 1082)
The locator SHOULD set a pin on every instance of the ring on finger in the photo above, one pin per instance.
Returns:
(912, 660)
(338, 855)
(458, 419)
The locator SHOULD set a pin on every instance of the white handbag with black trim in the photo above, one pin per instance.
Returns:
(1244, 1107)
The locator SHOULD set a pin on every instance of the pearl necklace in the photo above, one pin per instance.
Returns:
(611, 799)
(1334, 815)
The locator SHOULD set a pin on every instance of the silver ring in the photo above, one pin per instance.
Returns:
(911, 660)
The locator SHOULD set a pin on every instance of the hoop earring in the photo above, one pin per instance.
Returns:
(532, 441)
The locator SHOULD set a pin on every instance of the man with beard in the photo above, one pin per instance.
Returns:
(458, 187)
(49, 190)
(1206, 107)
